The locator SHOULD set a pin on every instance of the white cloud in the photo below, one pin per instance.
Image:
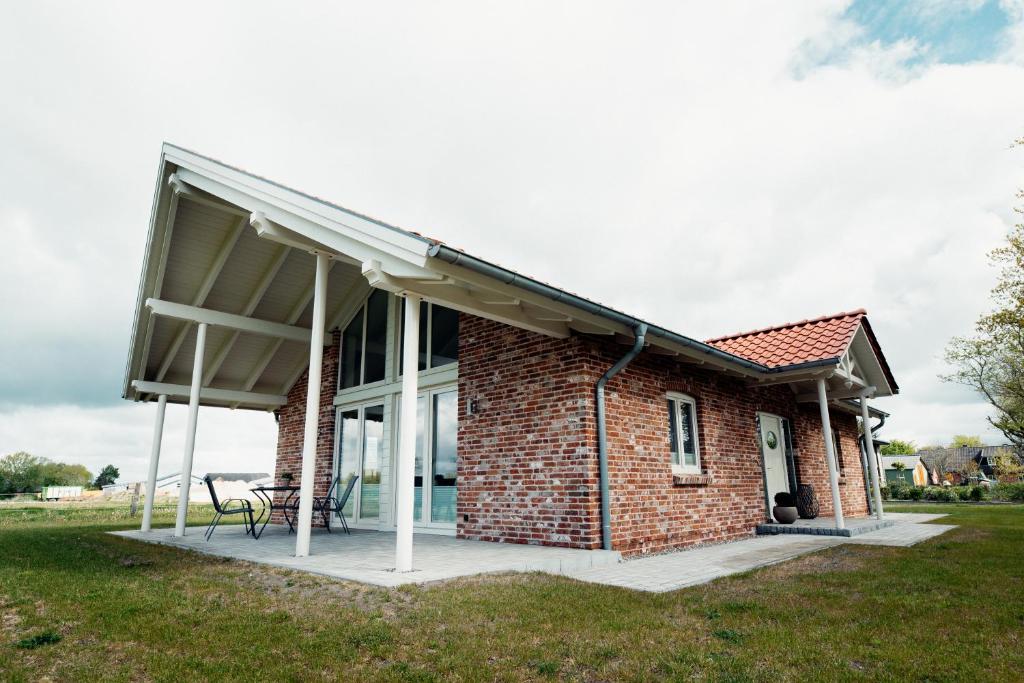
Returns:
(690, 164)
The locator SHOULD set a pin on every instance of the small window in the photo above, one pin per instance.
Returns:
(682, 427)
(838, 452)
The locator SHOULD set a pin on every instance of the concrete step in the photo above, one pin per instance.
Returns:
(854, 527)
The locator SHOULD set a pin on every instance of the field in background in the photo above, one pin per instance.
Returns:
(79, 604)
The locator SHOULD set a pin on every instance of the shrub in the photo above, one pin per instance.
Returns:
(886, 493)
(899, 491)
(1007, 491)
(915, 493)
(785, 499)
(977, 493)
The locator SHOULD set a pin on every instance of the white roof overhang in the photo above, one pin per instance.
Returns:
(232, 250)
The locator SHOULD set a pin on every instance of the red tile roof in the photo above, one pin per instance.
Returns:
(792, 343)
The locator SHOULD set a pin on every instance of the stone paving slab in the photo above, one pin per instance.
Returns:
(369, 556)
(685, 568)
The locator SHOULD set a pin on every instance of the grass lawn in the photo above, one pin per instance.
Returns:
(78, 604)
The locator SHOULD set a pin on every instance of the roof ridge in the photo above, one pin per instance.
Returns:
(784, 326)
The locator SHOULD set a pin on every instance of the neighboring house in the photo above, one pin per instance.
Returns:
(244, 477)
(170, 484)
(949, 463)
(539, 416)
(914, 472)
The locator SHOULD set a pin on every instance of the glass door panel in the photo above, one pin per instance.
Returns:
(373, 445)
(443, 491)
(348, 456)
(421, 435)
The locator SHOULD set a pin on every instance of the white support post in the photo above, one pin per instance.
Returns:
(309, 434)
(154, 462)
(830, 454)
(869, 446)
(406, 470)
(190, 433)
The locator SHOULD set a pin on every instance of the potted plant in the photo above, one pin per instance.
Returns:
(784, 511)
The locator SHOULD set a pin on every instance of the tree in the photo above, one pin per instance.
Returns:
(964, 441)
(898, 447)
(62, 474)
(20, 472)
(108, 475)
(992, 361)
(1006, 465)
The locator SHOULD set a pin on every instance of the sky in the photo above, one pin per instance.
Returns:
(711, 167)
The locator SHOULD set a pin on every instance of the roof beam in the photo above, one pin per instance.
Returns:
(182, 189)
(208, 394)
(453, 296)
(833, 395)
(194, 314)
(226, 247)
(254, 300)
(271, 349)
(491, 288)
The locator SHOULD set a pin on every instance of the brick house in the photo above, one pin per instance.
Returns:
(541, 417)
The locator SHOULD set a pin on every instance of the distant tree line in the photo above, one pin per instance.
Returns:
(23, 472)
(901, 447)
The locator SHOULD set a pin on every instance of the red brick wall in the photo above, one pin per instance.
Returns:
(291, 423)
(526, 467)
(528, 456)
(811, 467)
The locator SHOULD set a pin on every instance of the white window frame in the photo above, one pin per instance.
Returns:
(429, 332)
(680, 400)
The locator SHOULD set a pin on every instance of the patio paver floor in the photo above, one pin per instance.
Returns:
(367, 556)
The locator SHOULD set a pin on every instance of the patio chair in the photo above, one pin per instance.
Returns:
(242, 507)
(328, 504)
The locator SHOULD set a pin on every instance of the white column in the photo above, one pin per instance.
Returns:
(830, 454)
(309, 434)
(190, 433)
(406, 470)
(869, 445)
(154, 462)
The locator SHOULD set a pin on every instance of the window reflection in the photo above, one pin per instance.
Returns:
(443, 492)
(373, 444)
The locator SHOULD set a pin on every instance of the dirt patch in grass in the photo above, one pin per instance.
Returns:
(286, 588)
(839, 559)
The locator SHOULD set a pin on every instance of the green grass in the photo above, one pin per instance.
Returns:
(93, 606)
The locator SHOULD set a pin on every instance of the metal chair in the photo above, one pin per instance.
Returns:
(328, 504)
(244, 508)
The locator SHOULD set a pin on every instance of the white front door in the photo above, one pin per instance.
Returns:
(774, 450)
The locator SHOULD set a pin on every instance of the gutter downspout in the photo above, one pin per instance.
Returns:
(864, 461)
(602, 436)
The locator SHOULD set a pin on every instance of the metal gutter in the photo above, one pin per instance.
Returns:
(508, 277)
(602, 436)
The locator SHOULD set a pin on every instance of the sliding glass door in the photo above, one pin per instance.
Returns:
(361, 452)
(436, 490)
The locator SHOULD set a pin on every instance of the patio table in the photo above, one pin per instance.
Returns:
(266, 496)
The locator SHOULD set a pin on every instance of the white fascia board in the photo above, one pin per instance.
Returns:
(142, 325)
(195, 314)
(871, 366)
(209, 394)
(317, 219)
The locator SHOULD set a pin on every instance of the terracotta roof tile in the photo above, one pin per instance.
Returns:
(792, 343)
